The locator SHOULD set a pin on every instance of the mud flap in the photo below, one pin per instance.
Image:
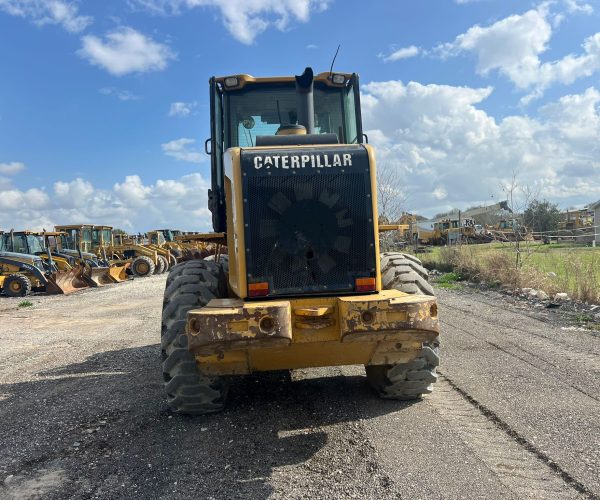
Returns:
(65, 282)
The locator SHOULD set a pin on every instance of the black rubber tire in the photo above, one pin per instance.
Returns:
(404, 272)
(162, 265)
(190, 284)
(406, 381)
(23, 282)
(223, 260)
(139, 263)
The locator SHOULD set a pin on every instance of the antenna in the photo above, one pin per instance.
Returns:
(332, 62)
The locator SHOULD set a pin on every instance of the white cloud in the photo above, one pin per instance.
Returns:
(244, 19)
(447, 148)
(181, 108)
(578, 6)
(513, 46)
(439, 193)
(130, 204)
(42, 12)
(11, 168)
(312, 46)
(122, 95)
(403, 53)
(125, 50)
(183, 150)
(74, 194)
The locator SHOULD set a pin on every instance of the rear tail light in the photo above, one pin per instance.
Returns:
(364, 284)
(258, 289)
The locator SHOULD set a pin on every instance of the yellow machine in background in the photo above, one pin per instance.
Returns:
(82, 238)
(145, 259)
(94, 272)
(22, 270)
(293, 196)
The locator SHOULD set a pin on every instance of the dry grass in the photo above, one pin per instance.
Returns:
(575, 273)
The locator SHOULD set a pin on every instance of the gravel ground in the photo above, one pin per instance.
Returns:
(82, 414)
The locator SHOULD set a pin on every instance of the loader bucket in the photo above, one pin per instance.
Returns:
(119, 272)
(98, 276)
(65, 282)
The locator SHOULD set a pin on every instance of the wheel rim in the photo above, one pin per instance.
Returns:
(143, 267)
(15, 287)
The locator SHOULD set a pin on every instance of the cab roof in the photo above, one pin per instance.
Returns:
(245, 79)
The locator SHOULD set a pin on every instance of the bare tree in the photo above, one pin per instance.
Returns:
(391, 197)
(391, 200)
(518, 197)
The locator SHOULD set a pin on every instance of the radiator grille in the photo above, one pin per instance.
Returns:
(309, 232)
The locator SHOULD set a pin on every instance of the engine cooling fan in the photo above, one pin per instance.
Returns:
(309, 234)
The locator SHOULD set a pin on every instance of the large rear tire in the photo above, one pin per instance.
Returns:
(162, 265)
(406, 381)
(142, 266)
(223, 260)
(17, 285)
(404, 272)
(190, 284)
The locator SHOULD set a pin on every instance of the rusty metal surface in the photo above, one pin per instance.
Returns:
(384, 328)
(65, 282)
(395, 318)
(223, 326)
(97, 276)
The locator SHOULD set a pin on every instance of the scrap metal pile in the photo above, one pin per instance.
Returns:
(76, 257)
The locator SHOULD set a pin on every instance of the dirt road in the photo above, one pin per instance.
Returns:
(516, 413)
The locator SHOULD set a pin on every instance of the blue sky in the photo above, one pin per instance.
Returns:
(103, 105)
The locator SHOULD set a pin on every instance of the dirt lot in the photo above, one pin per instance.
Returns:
(514, 415)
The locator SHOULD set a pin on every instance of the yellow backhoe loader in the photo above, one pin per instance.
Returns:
(78, 238)
(303, 284)
(23, 270)
(95, 273)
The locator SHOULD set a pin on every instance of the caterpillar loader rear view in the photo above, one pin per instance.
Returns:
(293, 197)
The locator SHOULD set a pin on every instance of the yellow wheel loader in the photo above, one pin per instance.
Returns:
(83, 239)
(293, 196)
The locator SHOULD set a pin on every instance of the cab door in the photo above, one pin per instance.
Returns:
(216, 195)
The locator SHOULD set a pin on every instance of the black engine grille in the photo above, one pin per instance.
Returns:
(309, 230)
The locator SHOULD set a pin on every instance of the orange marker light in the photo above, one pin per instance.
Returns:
(364, 284)
(258, 289)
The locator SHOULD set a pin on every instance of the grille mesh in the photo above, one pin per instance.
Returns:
(309, 233)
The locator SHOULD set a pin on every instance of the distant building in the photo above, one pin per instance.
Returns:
(596, 208)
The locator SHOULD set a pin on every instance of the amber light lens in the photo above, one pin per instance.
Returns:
(258, 289)
(364, 284)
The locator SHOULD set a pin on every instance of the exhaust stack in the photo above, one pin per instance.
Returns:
(305, 100)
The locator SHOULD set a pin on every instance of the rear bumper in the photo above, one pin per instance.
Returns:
(231, 336)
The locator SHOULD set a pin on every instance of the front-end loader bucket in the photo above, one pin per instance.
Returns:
(65, 282)
(98, 276)
(118, 272)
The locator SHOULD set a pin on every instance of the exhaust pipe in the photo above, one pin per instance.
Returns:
(305, 100)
